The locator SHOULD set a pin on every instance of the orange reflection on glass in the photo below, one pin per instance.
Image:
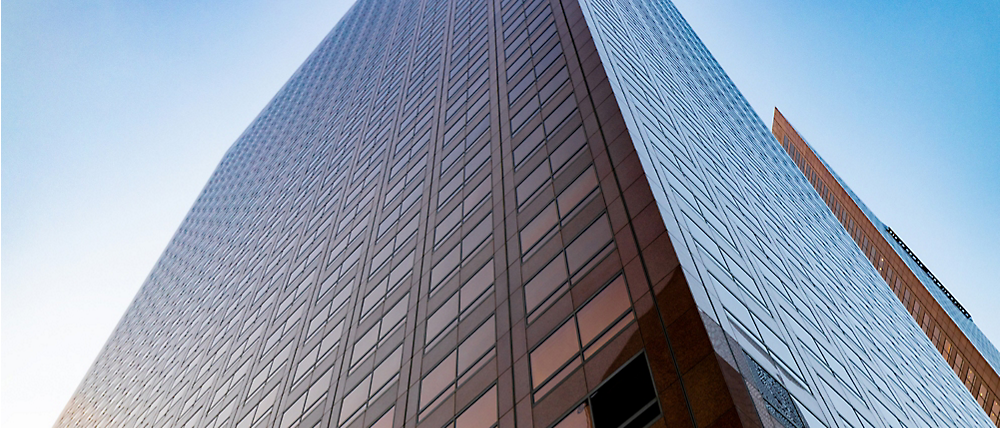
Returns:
(548, 357)
(603, 310)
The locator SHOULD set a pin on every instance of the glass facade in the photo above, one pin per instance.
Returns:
(513, 213)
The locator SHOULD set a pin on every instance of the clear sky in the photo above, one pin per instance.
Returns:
(118, 111)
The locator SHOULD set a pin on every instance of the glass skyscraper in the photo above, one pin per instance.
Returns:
(514, 213)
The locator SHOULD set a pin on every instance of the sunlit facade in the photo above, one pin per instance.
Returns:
(939, 314)
(514, 213)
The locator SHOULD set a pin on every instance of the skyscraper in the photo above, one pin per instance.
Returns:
(526, 213)
(942, 318)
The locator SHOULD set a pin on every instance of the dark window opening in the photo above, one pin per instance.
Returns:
(627, 399)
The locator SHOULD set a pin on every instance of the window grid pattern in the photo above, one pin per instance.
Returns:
(426, 227)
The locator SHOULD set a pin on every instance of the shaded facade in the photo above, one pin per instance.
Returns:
(521, 213)
(942, 318)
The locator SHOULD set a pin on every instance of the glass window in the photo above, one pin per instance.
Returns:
(354, 400)
(549, 58)
(475, 237)
(568, 148)
(523, 115)
(444, 268)
(476, 345)
(292, 413)
(476, 286)
(627, 399)
(317, 390)
(393, 317)
(559, 115)
(386, 420)
(588, 244)
(553, 85)
(364, 344)
(545, 283)
(476, 196)
(442, 318)
(480, 159)
(553, 353)
(447, 225)
(603, 310)
(520, 87)
(305, 365)
(528, 146)
(578, 418)
(440, 379)
(538, 228)
(482, 413)
(576, 192)
(374, 297)
(386, 370)
(532, 183)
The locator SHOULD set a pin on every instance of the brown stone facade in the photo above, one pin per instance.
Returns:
(970, 366)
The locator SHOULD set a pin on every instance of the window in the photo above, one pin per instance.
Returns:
(554, 354)
(538, 228)
(627, 399)
(480, 414)
(457, 367)
(970, 378)
(601, 313)
(386, 420)
(595, 324)
(578, 418)
(545, 284)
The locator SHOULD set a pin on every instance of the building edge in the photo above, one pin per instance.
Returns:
(946, 323)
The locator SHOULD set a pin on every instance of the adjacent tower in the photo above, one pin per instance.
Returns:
(942, 318)
(520, 213)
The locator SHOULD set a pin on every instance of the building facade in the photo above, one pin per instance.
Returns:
(514, 213)
(942, 318)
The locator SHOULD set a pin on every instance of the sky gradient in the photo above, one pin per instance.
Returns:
(117, 113)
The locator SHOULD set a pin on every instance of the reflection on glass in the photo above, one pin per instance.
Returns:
(544, 283)
(437, 381)
(555, 351)
(482, 413)
(603, 310)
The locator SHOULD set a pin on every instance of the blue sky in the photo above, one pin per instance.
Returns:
(118, 111)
